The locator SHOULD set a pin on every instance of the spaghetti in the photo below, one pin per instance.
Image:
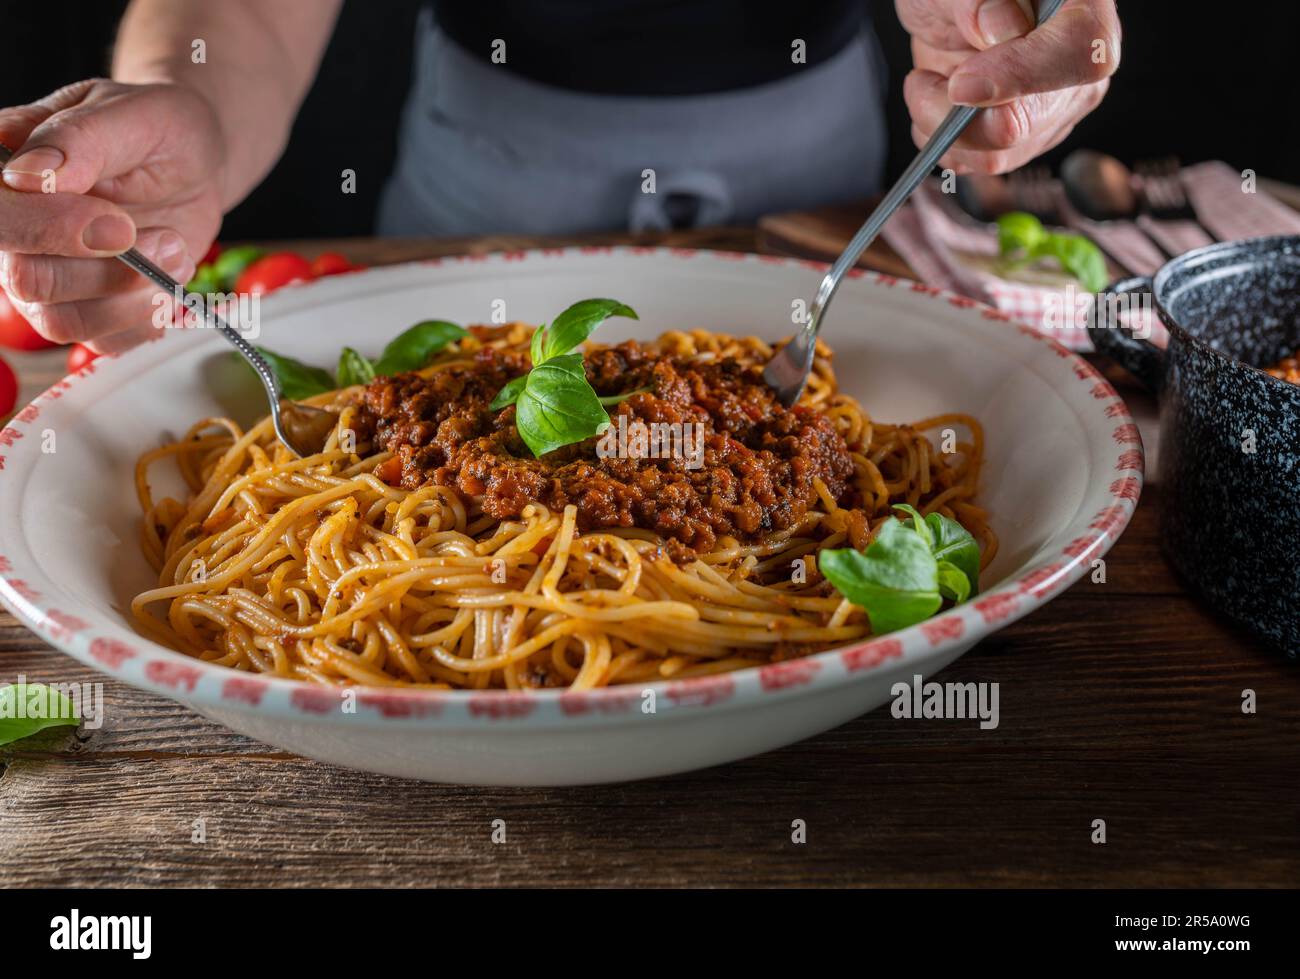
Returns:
(385, 559)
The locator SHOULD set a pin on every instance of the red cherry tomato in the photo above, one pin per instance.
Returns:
(330, 263)
(8, 389)
(273, 271)
(79, 356)
(15, 332)
(213, 251)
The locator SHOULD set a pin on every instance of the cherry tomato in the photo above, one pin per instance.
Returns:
(8, 389)
(15, 332)
(213, 251)
(272, 272)
(330, 263)
(79, 355)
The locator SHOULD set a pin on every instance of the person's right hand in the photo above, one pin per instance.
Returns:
(131, 165)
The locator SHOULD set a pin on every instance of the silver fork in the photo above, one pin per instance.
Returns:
(302, 428)
(1163, 196)
(788, 370)
(1034, 190)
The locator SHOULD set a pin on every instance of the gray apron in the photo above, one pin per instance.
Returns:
(483, 150)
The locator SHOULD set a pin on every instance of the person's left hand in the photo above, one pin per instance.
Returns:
(1036, 83)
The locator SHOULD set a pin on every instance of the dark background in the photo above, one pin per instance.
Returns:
(1200, 79)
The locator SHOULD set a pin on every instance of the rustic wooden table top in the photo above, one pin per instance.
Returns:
(1119, 701)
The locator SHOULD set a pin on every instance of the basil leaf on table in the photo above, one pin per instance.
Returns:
(1023, 239)
(574, 325)
(557, 406)
(298, 380)
(1019, 231)
(354, 369)
(411, 349)
(1080, 257)
(896, 580)
(17, 699)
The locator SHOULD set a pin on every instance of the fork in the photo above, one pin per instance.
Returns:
(787, 372)
(1034, 190)
(301, 428)
(1163, 196)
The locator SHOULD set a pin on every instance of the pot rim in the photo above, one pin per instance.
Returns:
(1265, 245)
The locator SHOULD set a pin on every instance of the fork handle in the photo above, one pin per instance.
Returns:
(154, 274)
(953, 125)
(798, 354)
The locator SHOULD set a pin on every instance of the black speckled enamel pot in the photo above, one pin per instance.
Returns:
(1229, 459)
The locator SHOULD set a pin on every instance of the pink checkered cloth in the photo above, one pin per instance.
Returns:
(946, 252)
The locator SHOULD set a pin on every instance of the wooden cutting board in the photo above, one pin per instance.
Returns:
(823, 233)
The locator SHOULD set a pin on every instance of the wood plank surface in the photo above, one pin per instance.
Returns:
(1119, 701)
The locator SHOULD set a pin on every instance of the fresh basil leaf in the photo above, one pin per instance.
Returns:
(231, 263)
(535, 347)
(954, 543)
(953, 582)
(205, 281)
(354, 369)
(1023, 238)
(26, 708)
(574, 325)
(1078, 256)
(298, 380)
(918, 523)
(613, 399)
(508, 394)
(1019, 231)
(557, 406)
(411, 349)
(896, 580)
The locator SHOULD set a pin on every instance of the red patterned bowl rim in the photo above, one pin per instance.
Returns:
(118, 651)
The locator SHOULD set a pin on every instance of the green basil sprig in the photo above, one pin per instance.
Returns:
(907, 571)
(554, 403)
(16, 707)
(408, 351)
(1023, 239)
(297, 380)
(354, 369)
(412, 349)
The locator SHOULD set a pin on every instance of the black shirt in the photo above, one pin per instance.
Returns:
(652, 47)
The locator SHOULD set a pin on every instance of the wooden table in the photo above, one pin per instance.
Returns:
(1119, 701)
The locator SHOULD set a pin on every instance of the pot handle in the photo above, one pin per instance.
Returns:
(1141, 358)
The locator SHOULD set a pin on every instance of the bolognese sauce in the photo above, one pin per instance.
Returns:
(1287, 369)
(757, 473)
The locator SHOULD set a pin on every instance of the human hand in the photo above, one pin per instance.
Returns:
(99, 167)
(1035, 83)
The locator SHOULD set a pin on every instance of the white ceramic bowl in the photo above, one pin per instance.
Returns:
(1063, 475)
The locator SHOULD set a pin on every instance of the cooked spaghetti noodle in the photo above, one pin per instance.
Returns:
(357, 566)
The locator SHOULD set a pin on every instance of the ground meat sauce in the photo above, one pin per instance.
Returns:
(759, 458)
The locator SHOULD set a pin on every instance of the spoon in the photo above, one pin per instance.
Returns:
(302, 428)
(788, 370)
(1101, 189)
